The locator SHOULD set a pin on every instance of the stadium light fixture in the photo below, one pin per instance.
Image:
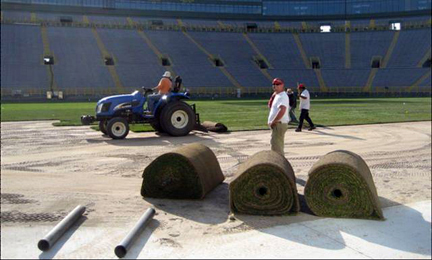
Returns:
(48, 60)
(395, 26)
(325, 28)
(109, 61)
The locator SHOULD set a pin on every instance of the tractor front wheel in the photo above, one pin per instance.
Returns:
(103, 126)
(118, 128)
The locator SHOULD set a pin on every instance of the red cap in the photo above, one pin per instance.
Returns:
(301, 86)
(277, 81)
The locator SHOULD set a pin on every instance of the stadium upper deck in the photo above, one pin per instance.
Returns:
(239, 9)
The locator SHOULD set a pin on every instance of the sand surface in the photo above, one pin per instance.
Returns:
(46, 171)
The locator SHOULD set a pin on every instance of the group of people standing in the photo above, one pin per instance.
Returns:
(282, 106)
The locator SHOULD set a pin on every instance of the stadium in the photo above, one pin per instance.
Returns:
(366, 64)
(96, 48)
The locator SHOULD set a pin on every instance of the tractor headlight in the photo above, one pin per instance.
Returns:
(99, 108)
(104, 107)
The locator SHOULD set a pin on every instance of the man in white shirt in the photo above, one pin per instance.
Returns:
(304, 108)
(278, 118)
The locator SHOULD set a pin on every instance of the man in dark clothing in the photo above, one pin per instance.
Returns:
(293, 104)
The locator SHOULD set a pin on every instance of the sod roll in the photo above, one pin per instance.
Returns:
(340, 184)
(264, 185)
(189, 172)
(214, 127)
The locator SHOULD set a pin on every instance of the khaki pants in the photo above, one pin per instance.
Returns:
(278, 138)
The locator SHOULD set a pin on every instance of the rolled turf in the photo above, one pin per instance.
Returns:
(189, 172)
(215, 127)
(340, 184)
(264, 185)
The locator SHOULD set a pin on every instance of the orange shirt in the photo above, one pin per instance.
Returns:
(164, 86)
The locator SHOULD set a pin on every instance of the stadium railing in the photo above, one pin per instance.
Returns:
(207, 28)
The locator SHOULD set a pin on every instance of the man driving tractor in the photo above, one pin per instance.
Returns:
(163, 88)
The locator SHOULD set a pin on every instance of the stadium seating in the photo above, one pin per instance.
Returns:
(345, 78)
(21, 58)
(398, 77)
(136, 64)
(328, 47)
(426, 83)
(188, 60)
(279, 49)
(412, 46)
(238, 63)
(57, 17)
(79, 61)
(293, 76)
(107, 19)
(16, 15)
(366, 45)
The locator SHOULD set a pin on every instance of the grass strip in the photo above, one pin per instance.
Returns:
(264, 185)
(247, 114)
(340, 185)
(189, 172)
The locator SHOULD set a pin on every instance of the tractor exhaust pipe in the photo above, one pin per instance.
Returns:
(49, 240)
(123, 247)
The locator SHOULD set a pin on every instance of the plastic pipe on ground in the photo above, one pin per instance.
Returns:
(51, 238)
(126, 243)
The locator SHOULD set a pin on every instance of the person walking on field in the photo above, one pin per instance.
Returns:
(278, 118)
(304, 108)
(293, 104)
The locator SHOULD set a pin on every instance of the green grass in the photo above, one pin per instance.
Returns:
(247, 114)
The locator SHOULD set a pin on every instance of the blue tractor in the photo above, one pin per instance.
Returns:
(170, 114)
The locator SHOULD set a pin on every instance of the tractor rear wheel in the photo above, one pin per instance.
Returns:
(177, 118)
(118, 128)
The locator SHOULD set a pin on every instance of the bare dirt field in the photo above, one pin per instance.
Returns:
(46, 171)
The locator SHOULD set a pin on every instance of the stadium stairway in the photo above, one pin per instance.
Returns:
(221, 25)
(257, 51)
(322, 85)
(425, 57)
(372, 75)
(33, 18)
(347, 45)
(223, 69)
(302, 51)
(374, 71)
(419, 81)
(390, 50)
(47, 52)
(372, 24)
(105, 54)
(154, 49)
